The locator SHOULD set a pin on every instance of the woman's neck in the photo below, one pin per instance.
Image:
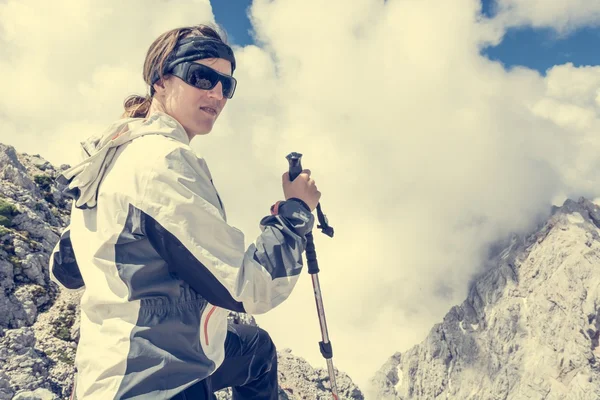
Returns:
(157, 106)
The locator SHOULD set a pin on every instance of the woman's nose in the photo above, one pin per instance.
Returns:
(217, 91)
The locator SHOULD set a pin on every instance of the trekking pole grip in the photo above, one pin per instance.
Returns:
(295, 160)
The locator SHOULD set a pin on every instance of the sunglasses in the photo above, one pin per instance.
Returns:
(203, 77)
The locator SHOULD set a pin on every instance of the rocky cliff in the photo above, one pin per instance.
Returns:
(39, 323)
(529, 328)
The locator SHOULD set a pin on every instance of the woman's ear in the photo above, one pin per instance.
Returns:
(159, 86)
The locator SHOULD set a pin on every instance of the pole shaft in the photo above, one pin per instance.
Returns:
(324, 332)
(320, 307)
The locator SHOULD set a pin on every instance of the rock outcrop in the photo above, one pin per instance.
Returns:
(529, 328)
(36, 347)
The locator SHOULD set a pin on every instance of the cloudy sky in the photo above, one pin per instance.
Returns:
(431, 130)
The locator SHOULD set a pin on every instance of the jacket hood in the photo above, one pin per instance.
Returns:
(82, 180)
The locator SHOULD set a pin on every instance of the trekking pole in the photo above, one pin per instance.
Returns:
(313, 269)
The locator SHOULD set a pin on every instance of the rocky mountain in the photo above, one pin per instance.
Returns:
(529, 328)
(39, 328)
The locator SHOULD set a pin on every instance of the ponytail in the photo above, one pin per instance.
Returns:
(136, 106)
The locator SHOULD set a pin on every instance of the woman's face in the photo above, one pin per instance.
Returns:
(195, 109)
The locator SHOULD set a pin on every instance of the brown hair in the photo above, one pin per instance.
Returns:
(137, 106)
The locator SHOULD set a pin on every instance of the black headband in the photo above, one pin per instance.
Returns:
(195, 48)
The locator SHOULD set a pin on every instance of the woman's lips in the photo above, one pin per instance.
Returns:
(209, 110)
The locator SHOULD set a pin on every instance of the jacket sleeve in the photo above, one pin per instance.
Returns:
(63, 268)
(183, 222)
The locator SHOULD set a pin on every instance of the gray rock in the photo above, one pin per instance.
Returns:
(38, 394)
(528, 329)
(12, 170)
(25, 367)
(24, 297)
(300, 381)
(241, 318)
(7, 277)
(9, 157)
(6, 393)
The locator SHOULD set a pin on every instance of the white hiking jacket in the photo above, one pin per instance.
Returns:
(149, 244)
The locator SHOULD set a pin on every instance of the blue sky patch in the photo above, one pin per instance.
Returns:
(542, 48)
(539, 49)
(232, 15)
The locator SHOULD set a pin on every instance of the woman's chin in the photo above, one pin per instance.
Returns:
(204, 129)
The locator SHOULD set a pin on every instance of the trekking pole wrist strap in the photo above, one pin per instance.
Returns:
(275, 207)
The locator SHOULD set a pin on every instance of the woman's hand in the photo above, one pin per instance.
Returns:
(303, 188)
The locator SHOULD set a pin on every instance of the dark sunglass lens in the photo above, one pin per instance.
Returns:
(202, 79)
(206, 78)
(228, 87)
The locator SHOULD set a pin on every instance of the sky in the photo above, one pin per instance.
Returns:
(433, 129)
(535, 46)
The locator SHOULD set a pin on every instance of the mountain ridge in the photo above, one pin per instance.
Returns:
(502, 341)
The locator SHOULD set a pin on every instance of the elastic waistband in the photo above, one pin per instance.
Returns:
(187, 298)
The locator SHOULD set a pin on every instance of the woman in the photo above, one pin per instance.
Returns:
(149, 242)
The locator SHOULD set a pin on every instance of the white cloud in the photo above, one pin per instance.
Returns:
(425, 151)
(561, 15)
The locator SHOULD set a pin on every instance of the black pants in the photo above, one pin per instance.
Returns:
(249, 368)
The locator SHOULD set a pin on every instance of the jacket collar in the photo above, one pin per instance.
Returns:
(83, 179)
(162, 123)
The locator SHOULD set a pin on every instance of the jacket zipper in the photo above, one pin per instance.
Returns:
(212, 310)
